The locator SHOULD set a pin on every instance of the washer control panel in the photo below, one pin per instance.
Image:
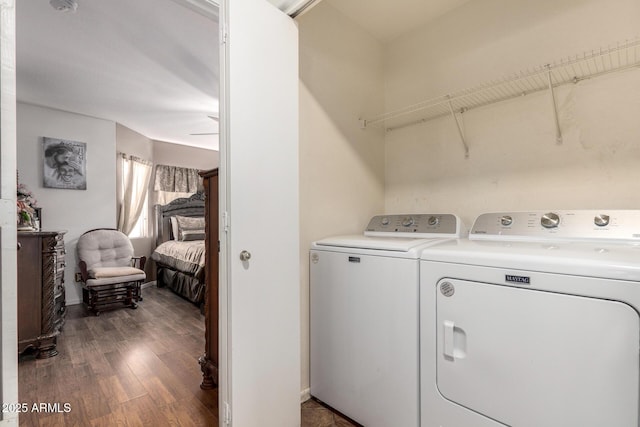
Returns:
(570, 225)
(416, 225)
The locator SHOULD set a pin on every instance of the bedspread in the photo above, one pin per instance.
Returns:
(187, 257)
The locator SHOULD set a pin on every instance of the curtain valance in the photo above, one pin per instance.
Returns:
(176, 179)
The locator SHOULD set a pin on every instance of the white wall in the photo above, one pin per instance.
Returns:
(166, 153)
(341, 166)
(514, 162)
(76, 211)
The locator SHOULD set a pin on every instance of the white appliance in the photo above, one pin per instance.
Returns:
(364, 317)
(533, 322)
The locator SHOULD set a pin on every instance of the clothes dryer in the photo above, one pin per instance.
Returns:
(533, 321)
(364, 317)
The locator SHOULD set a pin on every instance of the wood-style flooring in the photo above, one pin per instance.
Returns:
(131, 368)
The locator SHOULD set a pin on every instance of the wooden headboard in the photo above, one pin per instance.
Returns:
(190, 206)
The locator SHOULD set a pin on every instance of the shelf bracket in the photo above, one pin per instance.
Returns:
(553, 104)
(453, 114)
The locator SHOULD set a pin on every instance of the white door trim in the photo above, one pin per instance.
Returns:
(8, 238)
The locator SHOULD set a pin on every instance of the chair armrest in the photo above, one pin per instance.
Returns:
(84, 273)
(139, 261)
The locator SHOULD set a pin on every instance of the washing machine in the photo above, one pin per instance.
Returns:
(364, 317)
(533, 322)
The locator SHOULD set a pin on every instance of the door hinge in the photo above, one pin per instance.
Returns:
(227, 414)
(225, 37)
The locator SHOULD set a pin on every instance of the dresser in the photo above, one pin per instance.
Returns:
(41, 295)
(209, 360)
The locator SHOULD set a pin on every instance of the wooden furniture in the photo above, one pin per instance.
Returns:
(111, 275)
(182, 274)
(41, 294)
(209, 360)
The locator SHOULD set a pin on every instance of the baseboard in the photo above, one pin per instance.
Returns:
(73, 302)
(148, 284)
(305, 395)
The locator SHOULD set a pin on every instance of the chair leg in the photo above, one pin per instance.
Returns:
(112, 296)
(129, 299)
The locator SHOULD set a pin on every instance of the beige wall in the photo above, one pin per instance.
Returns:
(341, 166)
(514, 162)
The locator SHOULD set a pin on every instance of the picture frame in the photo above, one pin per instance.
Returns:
(38, 218)
(65, 164)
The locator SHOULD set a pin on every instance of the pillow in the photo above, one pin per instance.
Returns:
(174, 228)
(188, 235)
(189, 226)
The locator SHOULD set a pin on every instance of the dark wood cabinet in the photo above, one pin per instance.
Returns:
(41, 294)
(209, 360)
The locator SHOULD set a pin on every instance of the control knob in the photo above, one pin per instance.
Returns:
(550, 220)
(385, 221)
(506, 220)
(601, 220)
(407, 222)
(433, 220)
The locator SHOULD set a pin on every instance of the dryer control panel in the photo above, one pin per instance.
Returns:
(415, 225)
(619, 225)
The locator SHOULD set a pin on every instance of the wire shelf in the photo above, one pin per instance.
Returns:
(569, 70)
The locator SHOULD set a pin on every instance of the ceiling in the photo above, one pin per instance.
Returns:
(150, 65)
(386, 20)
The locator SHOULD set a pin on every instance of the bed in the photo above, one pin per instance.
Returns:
(180, 252)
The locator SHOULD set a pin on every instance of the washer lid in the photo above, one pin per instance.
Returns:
(358, 241)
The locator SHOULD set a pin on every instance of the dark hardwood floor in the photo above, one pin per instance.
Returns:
(130, 368)
(124, 367)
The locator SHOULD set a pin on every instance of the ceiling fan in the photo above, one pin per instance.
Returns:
(215, 119)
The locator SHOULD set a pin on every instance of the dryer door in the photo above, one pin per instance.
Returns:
(530, 358)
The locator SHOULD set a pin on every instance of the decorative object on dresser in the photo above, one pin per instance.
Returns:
(209, 360)
(41, 294)
(28, 212)
(111, 275)
(180, 263)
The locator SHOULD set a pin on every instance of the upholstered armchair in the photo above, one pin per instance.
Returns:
(111, 275)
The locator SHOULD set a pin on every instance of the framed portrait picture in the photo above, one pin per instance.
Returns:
(65, 164)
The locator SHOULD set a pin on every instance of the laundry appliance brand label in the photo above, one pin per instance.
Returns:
(522, 280)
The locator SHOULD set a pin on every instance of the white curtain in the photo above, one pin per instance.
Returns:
(136, 174)
(173, 182)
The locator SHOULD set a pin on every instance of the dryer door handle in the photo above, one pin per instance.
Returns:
(454, 341)
(449, 327)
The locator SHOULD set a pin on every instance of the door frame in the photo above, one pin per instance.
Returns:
(8, 236)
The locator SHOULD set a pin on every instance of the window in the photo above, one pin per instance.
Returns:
(141, 228)
(134, 185)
